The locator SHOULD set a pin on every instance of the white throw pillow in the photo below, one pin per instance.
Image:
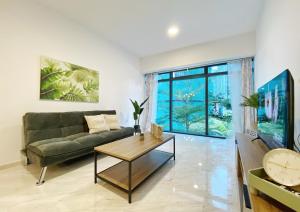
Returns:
(96, 123)
(112, 121)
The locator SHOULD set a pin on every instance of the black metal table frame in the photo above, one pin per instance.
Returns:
(130, 190)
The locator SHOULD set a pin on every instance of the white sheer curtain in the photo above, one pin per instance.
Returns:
(240, 77)
(150, 106)
(247, 90)
(235, 83)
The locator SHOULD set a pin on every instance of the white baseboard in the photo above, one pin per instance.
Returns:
(9, 165)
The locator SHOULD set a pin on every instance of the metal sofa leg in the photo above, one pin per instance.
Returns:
(42, 175)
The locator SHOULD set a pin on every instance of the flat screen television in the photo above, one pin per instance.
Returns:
(275, 114)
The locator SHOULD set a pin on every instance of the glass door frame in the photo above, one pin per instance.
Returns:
(205, 75)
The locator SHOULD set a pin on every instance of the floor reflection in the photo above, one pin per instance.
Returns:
(220, 205)
(201, 179)
(219, 182)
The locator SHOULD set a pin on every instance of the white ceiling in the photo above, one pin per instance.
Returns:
(140, 25)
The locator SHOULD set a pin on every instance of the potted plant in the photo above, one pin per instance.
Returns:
(138, 109)
(252, 102)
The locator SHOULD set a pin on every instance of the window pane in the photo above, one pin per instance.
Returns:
(219, 106)
(217, 68)
(164, 76)
(188, 72)
(163, 105)
(188, 114)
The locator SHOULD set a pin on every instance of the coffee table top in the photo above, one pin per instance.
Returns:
(131, 148)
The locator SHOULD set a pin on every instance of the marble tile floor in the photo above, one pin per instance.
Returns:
(203, 178)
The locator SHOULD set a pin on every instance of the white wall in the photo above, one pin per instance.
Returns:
(278, 46)
(28, 31)
(220, 50)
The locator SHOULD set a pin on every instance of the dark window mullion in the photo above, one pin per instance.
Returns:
(196, 76)
(217, 74)
(163, 80)
(206, 100)
(171, 102)
(218, 64)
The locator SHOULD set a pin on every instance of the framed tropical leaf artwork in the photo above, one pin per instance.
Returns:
(62, 81)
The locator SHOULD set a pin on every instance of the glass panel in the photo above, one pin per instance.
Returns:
(219, 107)
(188, 72)
(163, 105)
(188, 111)
(217, 69)
(164, 76)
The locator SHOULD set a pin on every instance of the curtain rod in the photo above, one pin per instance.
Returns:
(196, 65)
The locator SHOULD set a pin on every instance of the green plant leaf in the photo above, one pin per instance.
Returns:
(136, 107)
(131, 101)
(144, 102)
(251, 101)
(141, 110)
(133, 104)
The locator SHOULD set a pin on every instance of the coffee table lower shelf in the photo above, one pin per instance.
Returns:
(118, 175)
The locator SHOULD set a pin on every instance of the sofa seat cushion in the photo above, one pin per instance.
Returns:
(76, 142)
(54, 146)
(93, 140)
(114, 135)
(75, 136)
(90, 140)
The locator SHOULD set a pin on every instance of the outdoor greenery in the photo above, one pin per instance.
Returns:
(187, 110)
(220, 115)
(68, 82)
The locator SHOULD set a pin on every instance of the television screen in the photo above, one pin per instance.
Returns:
(275, 114)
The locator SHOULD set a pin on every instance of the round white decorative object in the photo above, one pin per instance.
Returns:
(283, 166)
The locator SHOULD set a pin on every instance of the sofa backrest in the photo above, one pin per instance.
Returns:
(40, 126)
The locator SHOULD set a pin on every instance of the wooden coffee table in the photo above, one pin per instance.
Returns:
(140, 159)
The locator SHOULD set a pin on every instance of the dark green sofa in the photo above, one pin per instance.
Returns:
(52, 138)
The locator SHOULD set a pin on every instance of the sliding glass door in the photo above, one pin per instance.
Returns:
(163, 105)
(195, 101)
(188, 106)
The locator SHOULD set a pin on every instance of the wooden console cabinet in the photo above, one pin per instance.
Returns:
(249, 155)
